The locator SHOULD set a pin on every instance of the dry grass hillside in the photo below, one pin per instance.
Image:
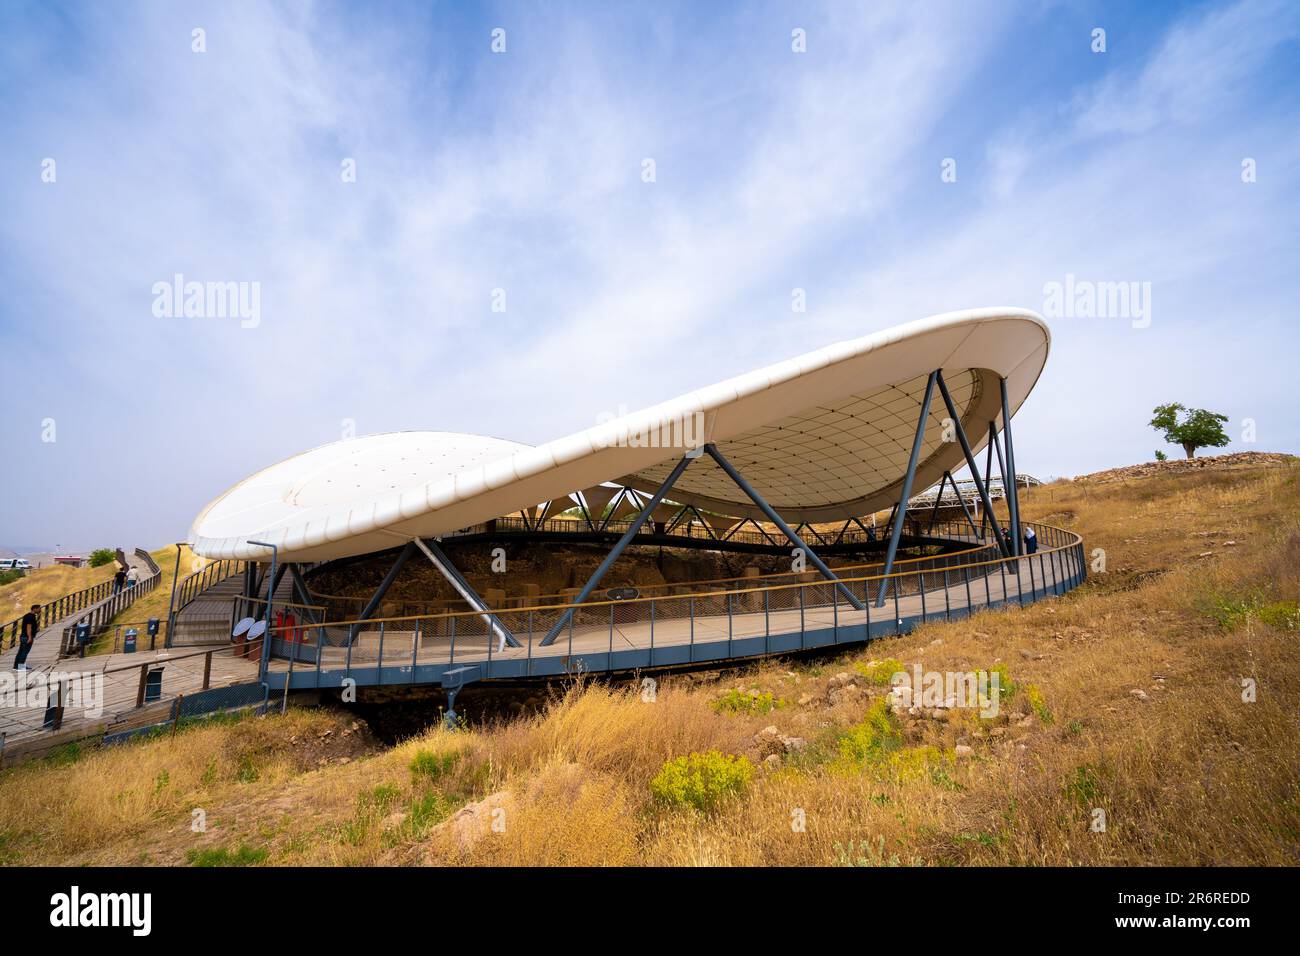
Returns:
(1122, 700)
(42, 585)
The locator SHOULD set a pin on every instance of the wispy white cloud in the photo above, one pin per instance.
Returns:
(522, 172)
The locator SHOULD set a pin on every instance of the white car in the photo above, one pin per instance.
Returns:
(14, 564)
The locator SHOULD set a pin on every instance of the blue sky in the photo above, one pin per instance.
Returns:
(522, 171)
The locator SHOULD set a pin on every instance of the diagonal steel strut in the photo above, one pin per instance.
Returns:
(900, 509)
(776, 519)
(454, 578)
(610, 558)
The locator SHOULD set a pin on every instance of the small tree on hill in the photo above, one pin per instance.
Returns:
(101, 556)
(1198, 429)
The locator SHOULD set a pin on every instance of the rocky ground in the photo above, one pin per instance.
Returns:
(1182, 466)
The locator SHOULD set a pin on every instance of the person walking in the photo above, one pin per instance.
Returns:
(119, 579)
(1031, 541)
(132, 576)
(30, 625)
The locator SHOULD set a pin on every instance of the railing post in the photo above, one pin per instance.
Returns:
(691, 610)
(802, 626)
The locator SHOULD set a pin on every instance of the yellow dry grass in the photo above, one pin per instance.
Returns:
(1202, 575)
(47, 584)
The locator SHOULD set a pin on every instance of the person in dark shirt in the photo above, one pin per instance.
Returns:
(30, 625)
(119, 579)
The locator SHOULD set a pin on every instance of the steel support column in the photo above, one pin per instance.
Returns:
(934, 512)
(961, 500)
(777, 520)
(970, 460)
(456, 580)
(303, 595)
(900, 509)
(623, 542)
(270, 597)
(373, 604)
(985, 517)
(1002, 469)
(1013, 493)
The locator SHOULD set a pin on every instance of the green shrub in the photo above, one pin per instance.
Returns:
(864, 853)
(1231, 612)
(220, 856)
(1007, 688)
(102, 556)
(428, 811)
(1086, 787)
(1284, 615)
(9, 577)
(380, 799)
(877, 735)
(701, 780)
(427, 763)
(879, 672)
(737, 701)
(1038, 703)
(920, 763)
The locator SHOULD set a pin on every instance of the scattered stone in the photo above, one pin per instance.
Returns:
(1245, 459)
(772, 761)
(1139, 693)
(473, 821)
(964, 751)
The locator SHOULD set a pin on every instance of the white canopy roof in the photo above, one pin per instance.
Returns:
(823, 436)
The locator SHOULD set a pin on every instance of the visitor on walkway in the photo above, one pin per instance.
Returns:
(119, 579)
(30, 625)
(1031, 541)
(132, 577)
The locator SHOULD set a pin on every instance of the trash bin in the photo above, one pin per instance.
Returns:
(153, 685)
(623, 613)
(128, 640)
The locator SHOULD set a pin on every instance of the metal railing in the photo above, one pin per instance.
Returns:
(99, 615)
(705, 625)
(128, 697)
(62, 607)
(194, 584)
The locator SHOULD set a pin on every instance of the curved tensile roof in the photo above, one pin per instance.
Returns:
(823, 436)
